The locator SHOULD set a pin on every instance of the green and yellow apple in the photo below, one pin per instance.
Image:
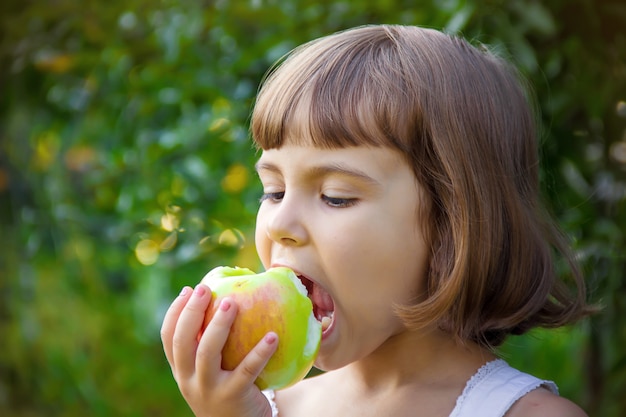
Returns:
(274, 300)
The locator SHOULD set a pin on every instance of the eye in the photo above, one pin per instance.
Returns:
(339, 202)
(273, 197)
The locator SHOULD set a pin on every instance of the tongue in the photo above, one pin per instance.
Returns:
(321, 298)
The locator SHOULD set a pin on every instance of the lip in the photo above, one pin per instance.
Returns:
(285, 265)
(298, 273)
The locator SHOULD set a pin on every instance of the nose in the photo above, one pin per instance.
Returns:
(285, 223)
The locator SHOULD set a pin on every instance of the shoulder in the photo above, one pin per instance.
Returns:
(542, 403)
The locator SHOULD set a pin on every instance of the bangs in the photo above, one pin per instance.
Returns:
(330, 95)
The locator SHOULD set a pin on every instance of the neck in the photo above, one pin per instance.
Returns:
(419, 358)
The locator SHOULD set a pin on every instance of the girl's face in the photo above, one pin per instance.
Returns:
(347, 222)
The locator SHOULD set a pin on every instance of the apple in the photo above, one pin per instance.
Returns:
(275, 300)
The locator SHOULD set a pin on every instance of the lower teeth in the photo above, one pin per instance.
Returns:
(326, 322)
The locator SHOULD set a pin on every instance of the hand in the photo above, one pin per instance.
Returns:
(209, 390)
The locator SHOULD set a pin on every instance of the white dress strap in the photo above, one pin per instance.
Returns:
(269, 394)
(493, 390)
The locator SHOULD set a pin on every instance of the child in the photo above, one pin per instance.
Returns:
(400, 179)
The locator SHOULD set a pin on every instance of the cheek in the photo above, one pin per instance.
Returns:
(261, 240)
(397, 252)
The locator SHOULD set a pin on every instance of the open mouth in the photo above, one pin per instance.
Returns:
(323, 305)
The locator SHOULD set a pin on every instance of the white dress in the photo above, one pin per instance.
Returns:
(490, 392)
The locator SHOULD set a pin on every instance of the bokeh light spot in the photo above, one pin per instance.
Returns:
(236, 179)
(147, 252)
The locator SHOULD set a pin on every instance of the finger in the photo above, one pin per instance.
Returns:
(169, 323)
(209, 356)
(184, 342)
(252, 365)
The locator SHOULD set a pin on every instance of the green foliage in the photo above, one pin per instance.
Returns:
(126, 173)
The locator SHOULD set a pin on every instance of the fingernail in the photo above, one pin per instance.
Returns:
(270, 338)
(184, 291)
(225, 305)
(199, 291)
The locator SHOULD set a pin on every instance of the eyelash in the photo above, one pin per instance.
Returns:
(274, 197)
(330, 201)
(339, 202)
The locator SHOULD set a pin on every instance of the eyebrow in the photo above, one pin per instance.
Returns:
(323, 170)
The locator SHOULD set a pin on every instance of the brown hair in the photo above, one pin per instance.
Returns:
(466, 126)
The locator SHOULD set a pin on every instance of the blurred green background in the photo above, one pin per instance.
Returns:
(126, 173)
